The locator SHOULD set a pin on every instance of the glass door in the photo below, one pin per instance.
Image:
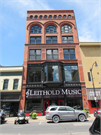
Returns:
(46, 104)
(61, 102)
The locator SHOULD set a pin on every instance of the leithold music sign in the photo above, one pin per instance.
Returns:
(36, 93)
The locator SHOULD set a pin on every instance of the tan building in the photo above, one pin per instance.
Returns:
(10, 89)
(91, 54)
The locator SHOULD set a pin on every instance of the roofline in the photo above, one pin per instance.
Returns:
(90, 44)
(28, 11)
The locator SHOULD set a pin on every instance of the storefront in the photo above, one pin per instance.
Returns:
(39, 100)
(10, 103)
(91, 102)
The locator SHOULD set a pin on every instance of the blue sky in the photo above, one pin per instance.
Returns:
(13, 23)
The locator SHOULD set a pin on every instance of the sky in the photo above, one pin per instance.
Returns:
(13, 24)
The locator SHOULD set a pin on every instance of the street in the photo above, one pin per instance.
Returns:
(46, 128)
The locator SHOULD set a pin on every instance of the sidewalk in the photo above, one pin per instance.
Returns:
(41, 119)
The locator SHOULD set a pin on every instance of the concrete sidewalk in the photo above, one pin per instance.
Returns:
(41, 119)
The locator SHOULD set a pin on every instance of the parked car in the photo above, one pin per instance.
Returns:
(58, 113)
(21, 118)
(97, 112)
(95, 128)
(2, 115)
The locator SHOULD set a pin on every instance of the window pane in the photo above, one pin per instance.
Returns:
(38, 57)
(36, 28)
(55, 51)
(49, 57)
(66, 51)
(32, 57)
(32, 52)
(72, 56)
(15, 84)
(53, 73)
(34, 74)
(5, 85)
(68, 76)
(55, 57)
(66, 57)
(38, 51)
(49, 51)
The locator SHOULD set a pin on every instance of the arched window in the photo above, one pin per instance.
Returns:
(35, 29)
(66, 29)
(51, 29)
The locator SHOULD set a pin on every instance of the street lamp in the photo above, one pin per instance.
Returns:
(95, 63)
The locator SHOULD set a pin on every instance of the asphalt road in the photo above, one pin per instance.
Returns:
(46, 128)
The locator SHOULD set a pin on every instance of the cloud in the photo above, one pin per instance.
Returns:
(21, 6)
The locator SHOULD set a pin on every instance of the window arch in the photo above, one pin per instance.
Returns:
(66, 29)
(35, 29)
(51, 29)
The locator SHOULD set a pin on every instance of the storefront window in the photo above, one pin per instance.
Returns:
(71, 73)
(33, 105)
(93, 104)
(53, 73)
(34, 74)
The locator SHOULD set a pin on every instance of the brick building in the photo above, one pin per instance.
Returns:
(53, 72)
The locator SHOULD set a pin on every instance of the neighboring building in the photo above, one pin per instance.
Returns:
(10, 89)
(53, 71)
(91, 52)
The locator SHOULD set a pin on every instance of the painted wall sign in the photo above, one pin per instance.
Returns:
(31, 93)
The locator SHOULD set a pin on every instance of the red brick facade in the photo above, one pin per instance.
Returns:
(58, 23)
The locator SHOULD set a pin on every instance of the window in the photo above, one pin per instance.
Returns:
(35, 40)
(40, 16)
(59, 16)
(51, 29)
(71, 73)
(50, 16)
(55, 16)
(5, 87)
(69, 109)
(35, 55)
(67, 39)
(52, 54)
(15, 84)
(36, 17)
(31, 17)
(66, 29)
(64, 16)
(45, 16)
(34, 74)
(53, 73)
(69, 54)
(53, 109)
(51, 40)
(35, 29)
(69, 16)
(93, 104)
(89, 77)
(62, 109)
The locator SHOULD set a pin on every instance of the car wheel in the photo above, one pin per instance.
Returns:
(81, 118)
(55, 119)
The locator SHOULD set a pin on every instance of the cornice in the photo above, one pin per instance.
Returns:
(49, 11)
(89, 44)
